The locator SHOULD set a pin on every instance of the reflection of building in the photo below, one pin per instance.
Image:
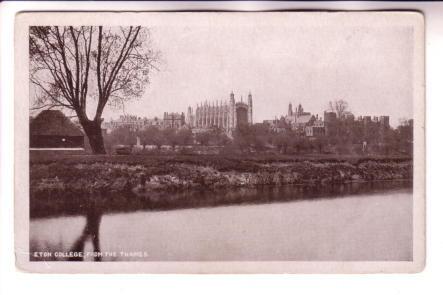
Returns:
(227, 116)
(173, 120)
(51, 129)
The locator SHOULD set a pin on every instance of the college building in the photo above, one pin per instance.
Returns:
(226, 115)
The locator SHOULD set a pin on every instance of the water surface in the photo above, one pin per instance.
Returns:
(367, 224)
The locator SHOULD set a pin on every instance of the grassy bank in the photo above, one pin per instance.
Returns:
(69, 184)
(230, 161)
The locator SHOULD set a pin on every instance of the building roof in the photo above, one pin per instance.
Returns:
(54, 123)
(304, 119)
(280, 124)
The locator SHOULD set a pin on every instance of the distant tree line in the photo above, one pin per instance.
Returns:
(349, 136)
(349, 139)
(152, 136)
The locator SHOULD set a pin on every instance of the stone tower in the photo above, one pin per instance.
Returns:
(232, 117)
(250, 108)
(290, 112)
(189, 118)
(299, 110)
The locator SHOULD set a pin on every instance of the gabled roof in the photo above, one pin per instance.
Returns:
(54, 123)
(281, 124)
(304, 119)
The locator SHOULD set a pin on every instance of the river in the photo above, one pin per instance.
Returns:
(360, 225)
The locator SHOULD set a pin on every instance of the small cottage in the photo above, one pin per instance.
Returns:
(51, 129)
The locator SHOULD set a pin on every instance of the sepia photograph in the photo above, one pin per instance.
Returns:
(270, 141)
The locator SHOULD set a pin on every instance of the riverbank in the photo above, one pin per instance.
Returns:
(71, 184)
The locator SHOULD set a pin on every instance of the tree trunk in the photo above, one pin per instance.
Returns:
(94, 133)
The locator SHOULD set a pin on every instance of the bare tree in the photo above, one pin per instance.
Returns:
(83, 69)
(340, 107)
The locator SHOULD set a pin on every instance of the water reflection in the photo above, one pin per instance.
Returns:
(328, 227)
(91, 231)
(268, 194)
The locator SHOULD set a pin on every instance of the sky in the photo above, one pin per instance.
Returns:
(280, 60)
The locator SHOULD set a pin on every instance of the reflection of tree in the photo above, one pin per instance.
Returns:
(91, 230)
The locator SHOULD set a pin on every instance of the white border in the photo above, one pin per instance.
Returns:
(56, 149)
(372, 19)
(426, 282)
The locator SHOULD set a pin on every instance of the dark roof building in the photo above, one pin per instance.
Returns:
(51, 129)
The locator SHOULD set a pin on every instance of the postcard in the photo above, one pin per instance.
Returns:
(220, 142)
